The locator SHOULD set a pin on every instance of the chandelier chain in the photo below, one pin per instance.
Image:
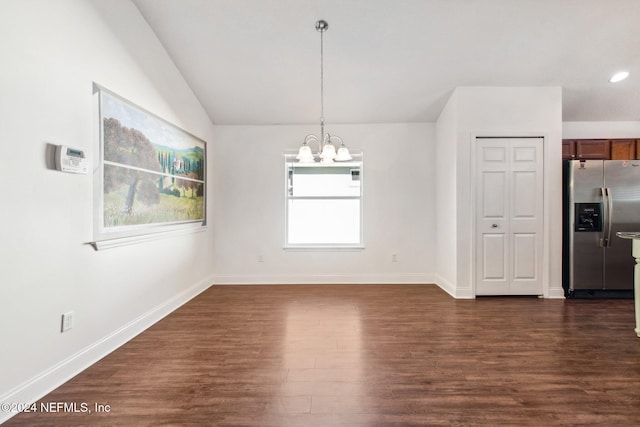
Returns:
(327, 152)
(321, 84)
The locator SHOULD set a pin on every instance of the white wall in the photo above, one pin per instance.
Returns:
(398, 200)
(596, 130)
(501, 111)
(446, 196)
(51, 53)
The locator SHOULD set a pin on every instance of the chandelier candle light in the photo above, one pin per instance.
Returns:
(326, 150)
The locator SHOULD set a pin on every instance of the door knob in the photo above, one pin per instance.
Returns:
(494, 225)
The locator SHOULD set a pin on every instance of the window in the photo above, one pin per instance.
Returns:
(324, 204)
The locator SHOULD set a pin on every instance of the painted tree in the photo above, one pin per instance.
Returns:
(130, 147)
(193, 185)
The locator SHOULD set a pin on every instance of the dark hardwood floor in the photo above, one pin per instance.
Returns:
(366, 355)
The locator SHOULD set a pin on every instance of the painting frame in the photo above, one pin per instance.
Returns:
(150, 175)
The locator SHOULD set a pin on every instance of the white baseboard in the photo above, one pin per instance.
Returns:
(555, 293)
(466, 293)
(48, 380)
(407, 278)
(446, 285)
(279, 279)
(452, 289)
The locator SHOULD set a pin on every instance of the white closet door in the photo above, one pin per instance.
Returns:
(509, 211)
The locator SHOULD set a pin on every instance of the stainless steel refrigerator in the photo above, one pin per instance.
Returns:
(604, 198)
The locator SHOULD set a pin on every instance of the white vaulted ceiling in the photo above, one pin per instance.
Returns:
(258, 62)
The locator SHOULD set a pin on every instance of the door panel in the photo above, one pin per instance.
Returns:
(523, 194)
(492, 207)
(524, 154)
(524, 256)
(496, 155)
(493, 194)
(509, 222)
(494, 267)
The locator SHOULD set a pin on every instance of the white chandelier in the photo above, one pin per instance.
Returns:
(326, 150)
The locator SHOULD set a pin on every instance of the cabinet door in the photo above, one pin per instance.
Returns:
(593, 149)
(623, 149)
(568, 149)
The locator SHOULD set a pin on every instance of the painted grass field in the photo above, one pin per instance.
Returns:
(171, 209)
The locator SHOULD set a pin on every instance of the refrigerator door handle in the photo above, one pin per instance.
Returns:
(604, 242)
(609, 216)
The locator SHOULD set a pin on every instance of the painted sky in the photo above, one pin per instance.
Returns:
(156, 130)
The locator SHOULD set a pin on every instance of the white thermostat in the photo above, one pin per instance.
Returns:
(71, 160)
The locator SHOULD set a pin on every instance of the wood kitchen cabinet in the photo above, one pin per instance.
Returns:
(601, 149)
(568, 149)
(593, 149)
(623, 149)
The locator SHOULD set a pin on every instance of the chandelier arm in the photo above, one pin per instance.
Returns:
(332, 137)
(312, 138)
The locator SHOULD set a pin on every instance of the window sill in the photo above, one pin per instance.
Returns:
(304, 248)
(132, 240)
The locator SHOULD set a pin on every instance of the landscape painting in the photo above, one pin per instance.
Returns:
(153, 172)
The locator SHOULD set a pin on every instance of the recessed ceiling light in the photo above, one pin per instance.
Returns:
(617, 77)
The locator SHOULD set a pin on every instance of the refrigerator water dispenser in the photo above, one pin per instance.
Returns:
(588, 217)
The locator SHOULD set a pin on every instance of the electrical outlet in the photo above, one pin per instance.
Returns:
(394, 257)
(67, 321)
(260, 258)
